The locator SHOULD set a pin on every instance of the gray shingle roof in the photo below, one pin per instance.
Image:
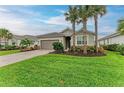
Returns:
(62, 34)
(82, 31)
(50, 35)
(20, 37)
(110, 36)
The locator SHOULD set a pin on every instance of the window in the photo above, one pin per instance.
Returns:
(80, 39)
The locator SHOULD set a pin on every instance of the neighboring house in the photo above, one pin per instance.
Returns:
(46, 40)
(17, 39)
(115, 38)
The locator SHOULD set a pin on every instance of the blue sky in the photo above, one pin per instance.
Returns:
(35, 20)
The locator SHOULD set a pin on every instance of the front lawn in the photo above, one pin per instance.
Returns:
(62, 70)
(7, 52)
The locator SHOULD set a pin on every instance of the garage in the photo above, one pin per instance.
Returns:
(47, 44)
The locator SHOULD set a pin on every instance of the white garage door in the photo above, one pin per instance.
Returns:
(47, 44)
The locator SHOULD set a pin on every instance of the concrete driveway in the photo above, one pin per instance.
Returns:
(13, 58)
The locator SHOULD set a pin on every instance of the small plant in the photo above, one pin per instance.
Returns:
(58, 47)
(112, 47)
(36, 47)
(101, 50)
(122, 51)
(91, 49)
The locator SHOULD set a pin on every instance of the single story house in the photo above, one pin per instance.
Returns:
(46, 40)
(17, 39)
(115, 38)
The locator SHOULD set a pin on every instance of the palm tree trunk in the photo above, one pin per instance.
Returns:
(96, 33)
(73, 26)
(85, 35)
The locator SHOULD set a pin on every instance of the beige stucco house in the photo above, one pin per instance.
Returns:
(16, 39)
(115, 38)
(65, 36)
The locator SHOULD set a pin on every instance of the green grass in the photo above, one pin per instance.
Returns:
(62, 70)
(7, 52)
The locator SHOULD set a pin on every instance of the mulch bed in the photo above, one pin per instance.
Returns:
(89, 54)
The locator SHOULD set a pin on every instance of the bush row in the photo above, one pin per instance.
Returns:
(115, 47)
(90, 49)
(8, 47)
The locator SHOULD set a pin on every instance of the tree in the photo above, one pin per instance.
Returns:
(72, 16)
(121, 26)
(5, 34)
(95, 11)
(8, 36)
(84, 14)
(25, 43)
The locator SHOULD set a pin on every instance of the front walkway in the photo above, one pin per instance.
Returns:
(13, 58)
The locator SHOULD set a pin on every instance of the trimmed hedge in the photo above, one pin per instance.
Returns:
(58, 47)
(115, 47)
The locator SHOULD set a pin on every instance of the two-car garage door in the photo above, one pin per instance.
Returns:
(47, 44)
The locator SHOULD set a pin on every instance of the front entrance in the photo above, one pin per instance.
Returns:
(68, 42)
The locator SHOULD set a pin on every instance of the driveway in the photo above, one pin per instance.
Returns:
(13, 58)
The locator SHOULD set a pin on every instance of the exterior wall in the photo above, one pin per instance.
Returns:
(17, 42)
(90, 40)
(61, 39)
(114, 40)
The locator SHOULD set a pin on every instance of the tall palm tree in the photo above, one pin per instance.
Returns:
(121, 26)
(96, 11)
(84, 14)
(72, 16)
(2, 34)
(0, 37)
(5, 34)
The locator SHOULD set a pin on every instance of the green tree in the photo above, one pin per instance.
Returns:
(25, 43)
(121, 26)
(96, 11)
(84, 14)
(72, 16)
(8, 36)
(5, 34)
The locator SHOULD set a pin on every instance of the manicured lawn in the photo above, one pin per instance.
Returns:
(7, 52)
(62, 70)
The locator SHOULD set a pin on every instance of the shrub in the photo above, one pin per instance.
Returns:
(122, 51)
(105, 47)
(112, 47)
(91, 49)
(1, 46)
(101, 50)
(8, 47)
(58, 47)
(119, 47)
(31, 48)
(36, 47)
(25, 43)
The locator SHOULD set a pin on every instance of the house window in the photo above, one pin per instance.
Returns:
(80, 39)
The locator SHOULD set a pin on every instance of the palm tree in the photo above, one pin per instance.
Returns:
(84, 14)
(2, 34)
(5, 34)
(72, 16)
(97, 10)
(121, 26)
(8, 36)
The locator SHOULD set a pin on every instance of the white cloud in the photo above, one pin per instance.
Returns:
(60, 11)
(57, 20)
(3, 10)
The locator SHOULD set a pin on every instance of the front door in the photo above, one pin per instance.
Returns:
(68, 42)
